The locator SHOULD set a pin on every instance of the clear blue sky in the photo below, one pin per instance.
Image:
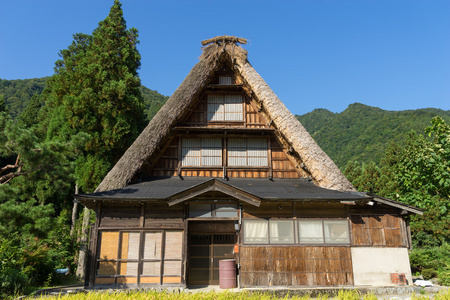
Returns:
(314, 54)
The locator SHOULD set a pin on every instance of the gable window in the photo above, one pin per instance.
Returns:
(201, 152)
(225, 108)
(225, 80)
(250, 152)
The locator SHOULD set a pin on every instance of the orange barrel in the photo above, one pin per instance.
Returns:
(227, 273)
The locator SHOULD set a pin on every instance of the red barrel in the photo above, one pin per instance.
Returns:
(227, 273)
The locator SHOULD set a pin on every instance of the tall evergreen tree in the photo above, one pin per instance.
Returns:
(2, 103)
(96, 90)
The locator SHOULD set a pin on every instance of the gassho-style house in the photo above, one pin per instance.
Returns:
(224, 171)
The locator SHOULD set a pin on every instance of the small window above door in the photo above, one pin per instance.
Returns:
(213, 210)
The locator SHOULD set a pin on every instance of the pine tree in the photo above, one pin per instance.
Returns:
(2, 103)
(96, 90)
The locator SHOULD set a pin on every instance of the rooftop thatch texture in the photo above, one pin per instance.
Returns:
(223, 50)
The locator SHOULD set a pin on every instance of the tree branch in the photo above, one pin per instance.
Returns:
(8, 177)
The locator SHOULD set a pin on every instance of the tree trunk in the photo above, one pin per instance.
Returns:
(81, 269)
(74, 213)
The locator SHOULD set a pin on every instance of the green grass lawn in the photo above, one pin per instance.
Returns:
(227, 295)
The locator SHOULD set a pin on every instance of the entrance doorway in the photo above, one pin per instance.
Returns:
(204, 252)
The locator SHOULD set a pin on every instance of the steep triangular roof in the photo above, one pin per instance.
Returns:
(225, 51)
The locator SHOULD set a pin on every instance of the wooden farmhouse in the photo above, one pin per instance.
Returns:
(224, 171)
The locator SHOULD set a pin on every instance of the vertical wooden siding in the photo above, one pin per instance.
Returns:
(295, 266)
(377, 230)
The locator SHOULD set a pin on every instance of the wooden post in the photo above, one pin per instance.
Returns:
(74, 213)
(81, 268)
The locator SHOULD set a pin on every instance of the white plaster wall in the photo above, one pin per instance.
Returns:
(373, 266)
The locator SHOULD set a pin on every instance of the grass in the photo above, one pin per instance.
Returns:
(227, 295)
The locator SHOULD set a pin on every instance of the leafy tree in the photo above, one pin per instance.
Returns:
(418, 174)
(424, 180)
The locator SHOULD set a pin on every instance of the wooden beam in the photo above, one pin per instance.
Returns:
(214, 185)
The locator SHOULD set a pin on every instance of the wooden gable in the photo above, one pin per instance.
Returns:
(197, 123)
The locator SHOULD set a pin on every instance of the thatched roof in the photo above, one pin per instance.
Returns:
(223, 50)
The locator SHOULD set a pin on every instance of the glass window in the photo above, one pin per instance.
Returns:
(226, 210)
(310, 232)
(281, 231)
(218, 210)
(199, 210)
(225, 108)
(201, 152)
(336, 231)
(225, 80)
(251, 152)
(256, 232)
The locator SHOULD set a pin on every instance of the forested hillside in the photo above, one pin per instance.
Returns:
(362, 133)
(17, 94)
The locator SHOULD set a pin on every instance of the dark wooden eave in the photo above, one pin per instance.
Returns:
(221, 130)
(402, 206)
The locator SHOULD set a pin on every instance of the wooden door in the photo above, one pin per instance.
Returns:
(205, 252)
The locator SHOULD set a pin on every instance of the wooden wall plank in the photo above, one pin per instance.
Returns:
(295, 266)
(377, 230)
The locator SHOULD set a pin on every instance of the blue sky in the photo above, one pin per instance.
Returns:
(391, 54)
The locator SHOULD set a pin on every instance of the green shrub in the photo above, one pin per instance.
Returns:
(434, 258)
(444, 276)
(429, 273)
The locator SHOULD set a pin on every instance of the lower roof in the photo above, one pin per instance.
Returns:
(169, 188)
(174, 190)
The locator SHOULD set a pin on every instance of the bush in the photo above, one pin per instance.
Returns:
(24, 262)
(429, 273)
(444, 276)
(432, 262)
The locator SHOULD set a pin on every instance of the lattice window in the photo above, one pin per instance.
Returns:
(225, 108)
(252, 152)
(123, 253)
(201, 152)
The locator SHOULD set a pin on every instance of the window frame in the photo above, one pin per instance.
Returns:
(296, 232)
(213, 210)
(140, 259)
(247, 157)
(201, 149)
(225, 152)
(226, 108)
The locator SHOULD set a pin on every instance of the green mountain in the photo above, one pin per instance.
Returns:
(359, 133)
(362, 133)
(18, 93)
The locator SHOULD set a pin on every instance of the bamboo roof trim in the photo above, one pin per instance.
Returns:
(322, 169)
